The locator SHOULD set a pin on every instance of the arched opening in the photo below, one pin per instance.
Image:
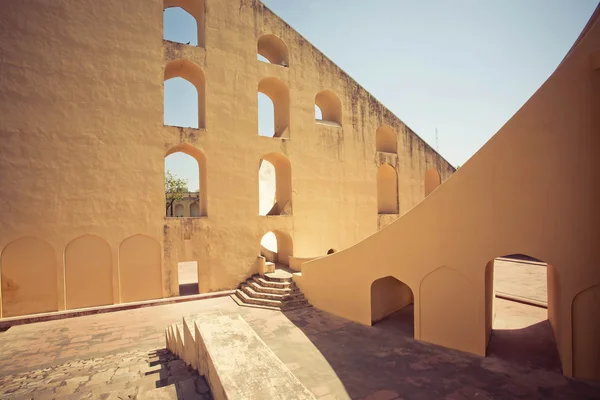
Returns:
(330, 251)
(387, 190)
(187, 275)
(140, 275)
(88, 272)
(183, 21)
(393, 299)
(29, 281)
(280, 198)
(318, 113)
(185, 182)
(385, 140)
(178, 109)
(277, 247)
(279, 95)
(519, 307)
(330, 106)
(432, 181)
(273, 50)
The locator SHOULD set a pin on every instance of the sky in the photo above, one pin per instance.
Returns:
(463, 67)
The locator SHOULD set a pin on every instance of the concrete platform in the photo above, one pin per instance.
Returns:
(235, 361)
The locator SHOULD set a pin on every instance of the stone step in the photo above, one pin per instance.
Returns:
(270, 296)
(272, 277)
(265, 289)
(273, 284)
(241, 303)
(283, 305)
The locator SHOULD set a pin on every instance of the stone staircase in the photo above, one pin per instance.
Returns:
(274, 291)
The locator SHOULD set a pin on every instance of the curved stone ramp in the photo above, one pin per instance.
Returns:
(531, 189)
(234, 360)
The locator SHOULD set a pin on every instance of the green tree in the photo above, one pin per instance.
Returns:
(174, 189)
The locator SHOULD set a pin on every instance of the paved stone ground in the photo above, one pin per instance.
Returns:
(520, 279)
(332, 357)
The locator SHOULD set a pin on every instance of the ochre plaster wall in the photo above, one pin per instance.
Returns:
(88, 272)
(532, 189)
(83, 142)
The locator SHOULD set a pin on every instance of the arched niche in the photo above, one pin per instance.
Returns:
(195, 209)
(199, 156)
(277, 247)
(29, 278)
(140, 275)
(387, 190)
(88, 272)
(385, 140)
(389, 295)
(196, 9)
(273, 49)
(283, 183)
(330, 251)
(448, 314)
(432, 181)
(279, 94)
(586, 334)
(193, 74)
(179, 211)
(330, 106)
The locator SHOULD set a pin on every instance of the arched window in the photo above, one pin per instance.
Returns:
(330, 251)
(178, 111)
(385, 139)
(272, 49)
(432, 181)
(277, 247)
(279, 95)
(387, 190)
(192, 170)
(178, 27)
(282, 204)
(330, 106)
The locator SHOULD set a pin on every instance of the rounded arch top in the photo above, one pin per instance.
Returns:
(330, 105)
(193, 7)
(273, 49)
(187, 70)
(385, 140)
(190, 151)
(200, 158)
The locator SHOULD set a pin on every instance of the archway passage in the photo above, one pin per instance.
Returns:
(519, 311)
(189, 198)
(586, 334)
(387, 190)
(283, 185)
(88, 272)
(277, 247)
(279, 94)
(392, 299)
(29, 280)
(175, 102)
(330, 106)
(273, 50)
(432, 181)
(385, 140)
(174, 27)
(187, 273)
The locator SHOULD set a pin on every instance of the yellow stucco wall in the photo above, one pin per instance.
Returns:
(532, 189)
(83, 146)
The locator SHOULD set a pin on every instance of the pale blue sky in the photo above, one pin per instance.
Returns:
(463, 66)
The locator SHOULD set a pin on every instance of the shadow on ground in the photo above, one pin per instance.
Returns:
(384, 360)
(173, 371)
